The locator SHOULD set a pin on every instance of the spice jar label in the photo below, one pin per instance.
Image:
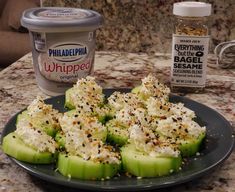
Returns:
(189, 57)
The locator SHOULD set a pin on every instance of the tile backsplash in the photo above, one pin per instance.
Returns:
(147, 25)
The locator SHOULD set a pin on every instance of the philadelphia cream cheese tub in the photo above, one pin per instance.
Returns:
(63, 45)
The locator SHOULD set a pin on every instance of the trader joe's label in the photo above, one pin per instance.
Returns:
(189, 57)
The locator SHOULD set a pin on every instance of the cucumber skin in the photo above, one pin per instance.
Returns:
(136, 90)
(117, 133)
(68, 104)
(104, 119)
(191, 147)
(76, 167)
(15, 147)
(51, 131)
(117, 138)
(60, 139)
(142, 165)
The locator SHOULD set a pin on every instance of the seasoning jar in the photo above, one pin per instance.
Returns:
(190, 46)
(63, 45)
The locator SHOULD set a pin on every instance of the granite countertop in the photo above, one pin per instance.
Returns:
(147, 26)
(114, 69)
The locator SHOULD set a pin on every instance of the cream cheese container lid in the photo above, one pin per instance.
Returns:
(192, 9)
(61, 19)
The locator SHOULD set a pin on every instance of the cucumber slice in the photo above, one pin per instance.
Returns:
(77, 167)
(101, 118)
(37, 123)
(99, 134)
(68, 101)
(15, 147)
(105, 118)
(71, 112)
(190, 147)
(60, 139)
(136, 90)
(142, 165)
(117, 132)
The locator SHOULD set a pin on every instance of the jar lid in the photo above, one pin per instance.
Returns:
(60, 19)
(192, 9)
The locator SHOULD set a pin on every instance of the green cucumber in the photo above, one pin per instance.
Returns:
(37, 123)
(68, 102)
(101, 118)
(105, 118)
(71, 112)
(77, 167)
(136, 90)
(142, 165)
(100, 135)
(189, 147)
(60, 139)
(15, 147)
(117, 132)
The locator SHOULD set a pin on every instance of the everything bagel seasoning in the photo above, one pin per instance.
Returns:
(190, 47)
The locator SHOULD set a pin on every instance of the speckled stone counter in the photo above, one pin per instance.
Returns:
(147, 25)
(113, 69)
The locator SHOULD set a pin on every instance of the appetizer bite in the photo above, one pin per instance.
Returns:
(86, 155)
(33, 141)
(87, 96)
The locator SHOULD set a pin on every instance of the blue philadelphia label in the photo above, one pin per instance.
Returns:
(68, 52)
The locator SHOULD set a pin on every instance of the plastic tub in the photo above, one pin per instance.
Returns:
(63, 45)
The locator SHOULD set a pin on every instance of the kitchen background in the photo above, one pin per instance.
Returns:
(147, 25)
(130, 25)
